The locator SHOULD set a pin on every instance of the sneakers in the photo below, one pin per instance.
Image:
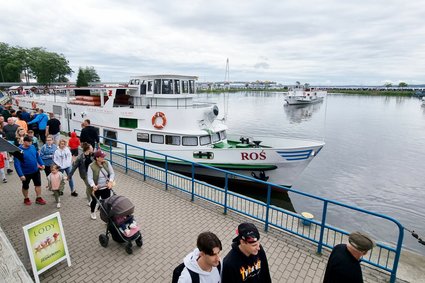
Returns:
(58, 205)
(27, 201)
(93, 215)
(9, 171)
(40, 200)
(4, 180)
(61, 193)
(74, 194)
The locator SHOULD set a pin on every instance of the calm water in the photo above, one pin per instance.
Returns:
(374, 156)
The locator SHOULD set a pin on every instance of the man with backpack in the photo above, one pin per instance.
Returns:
(203, 264)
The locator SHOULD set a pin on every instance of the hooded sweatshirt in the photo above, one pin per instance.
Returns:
(190, 261)
(237, 267)
(74, 142)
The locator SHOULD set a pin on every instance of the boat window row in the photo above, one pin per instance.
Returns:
(165, 86)
(182, 140)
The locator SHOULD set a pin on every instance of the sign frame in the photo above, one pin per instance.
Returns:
(52, 249)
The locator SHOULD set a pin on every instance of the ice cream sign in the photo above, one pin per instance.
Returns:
(46, 243)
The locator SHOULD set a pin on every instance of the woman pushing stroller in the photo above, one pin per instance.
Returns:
(100, 176)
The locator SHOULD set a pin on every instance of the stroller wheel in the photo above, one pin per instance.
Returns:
(128, 248)
(139, 241)
(103, 240)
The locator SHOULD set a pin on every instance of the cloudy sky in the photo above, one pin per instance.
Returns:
(323, 42)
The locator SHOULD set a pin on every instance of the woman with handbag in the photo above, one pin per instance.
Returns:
(100, 176)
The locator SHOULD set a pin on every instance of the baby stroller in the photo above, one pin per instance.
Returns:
(115, 211)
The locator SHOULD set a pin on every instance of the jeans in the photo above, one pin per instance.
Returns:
(71, 182)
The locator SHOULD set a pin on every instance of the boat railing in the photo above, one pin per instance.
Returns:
(385, 255)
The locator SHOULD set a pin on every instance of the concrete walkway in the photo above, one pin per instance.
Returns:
(170, 224)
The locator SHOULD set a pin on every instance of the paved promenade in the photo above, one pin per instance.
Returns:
(169, 223)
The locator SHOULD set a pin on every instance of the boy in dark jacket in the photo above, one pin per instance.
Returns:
(246, 262)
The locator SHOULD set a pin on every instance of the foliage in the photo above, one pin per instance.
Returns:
(402, 84)
(388, 84)
(47, 67)
(86, 75)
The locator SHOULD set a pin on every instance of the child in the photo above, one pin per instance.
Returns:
(56, 183)
(74, 143)
(2, 161)
(34, 139)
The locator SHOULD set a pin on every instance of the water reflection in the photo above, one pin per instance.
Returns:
(301, 113)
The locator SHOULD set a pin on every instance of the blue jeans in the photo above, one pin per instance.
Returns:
(71, 182)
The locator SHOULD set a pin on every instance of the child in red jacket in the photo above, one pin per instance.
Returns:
(2, 161)
(74, 143)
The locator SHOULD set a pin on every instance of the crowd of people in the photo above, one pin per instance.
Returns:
(38, 136)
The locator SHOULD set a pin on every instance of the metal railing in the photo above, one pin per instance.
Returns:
(382, 256)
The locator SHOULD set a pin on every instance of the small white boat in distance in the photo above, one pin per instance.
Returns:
(304, 94)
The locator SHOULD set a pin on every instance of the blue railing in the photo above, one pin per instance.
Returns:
(319, 232)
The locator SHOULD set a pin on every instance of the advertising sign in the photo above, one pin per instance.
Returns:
(46, 243)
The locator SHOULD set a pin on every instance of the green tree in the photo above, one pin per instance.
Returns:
(91, 74)
(388, 84)
(81, 78)
(402, 84)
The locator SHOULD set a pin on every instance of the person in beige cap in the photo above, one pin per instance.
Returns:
(344, 261)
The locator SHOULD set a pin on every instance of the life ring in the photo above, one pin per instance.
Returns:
(163, 118)
(33, 105)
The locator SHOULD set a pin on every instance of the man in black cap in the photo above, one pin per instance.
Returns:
(246, 261)
(344, 261)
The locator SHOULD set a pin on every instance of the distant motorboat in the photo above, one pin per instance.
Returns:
(303, 94)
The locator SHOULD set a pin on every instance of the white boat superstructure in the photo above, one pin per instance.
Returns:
(159, 113)
(303, 94)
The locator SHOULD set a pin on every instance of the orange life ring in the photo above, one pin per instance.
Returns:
(163, 118)
(33, 105)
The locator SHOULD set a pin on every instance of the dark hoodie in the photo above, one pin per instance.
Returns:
(237, 267)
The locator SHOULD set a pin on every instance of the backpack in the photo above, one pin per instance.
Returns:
(195, 276)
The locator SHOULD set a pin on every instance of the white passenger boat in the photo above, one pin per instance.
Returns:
(300, 95)
(160, 114)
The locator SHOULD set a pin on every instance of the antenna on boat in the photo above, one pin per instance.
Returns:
(226, 87)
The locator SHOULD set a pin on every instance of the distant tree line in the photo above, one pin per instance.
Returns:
(86, 75)
(47, 67)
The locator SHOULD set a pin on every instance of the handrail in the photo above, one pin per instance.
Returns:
(267, 213)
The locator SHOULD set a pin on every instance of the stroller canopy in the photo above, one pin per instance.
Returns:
(116, 206)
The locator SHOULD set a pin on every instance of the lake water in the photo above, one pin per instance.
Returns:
(374, 156)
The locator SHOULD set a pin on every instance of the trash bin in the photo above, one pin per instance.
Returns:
(307, 217)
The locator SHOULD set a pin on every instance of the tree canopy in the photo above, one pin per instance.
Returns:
(86, 75)
(47, 67)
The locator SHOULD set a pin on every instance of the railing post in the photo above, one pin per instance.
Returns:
(269, 194)
(166, 172)
(226, 187)
(144, 165)
(322, 227)
(193, 183)
(397, 255)
(126, 159)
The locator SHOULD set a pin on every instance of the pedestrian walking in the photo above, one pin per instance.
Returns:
(344, 261)
(53, 127)
(29, 170)
(203, 264)
(56, 183)
(3, 157)
(89, 134)
(74, 144)
(41, 120)
(82, 163)
(101, 177)
(62, 157)
(247, 260)
(47, 152)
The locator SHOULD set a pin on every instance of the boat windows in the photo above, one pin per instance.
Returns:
(190, 141)
(215, 137)
(185, 86)
(204, 140)
(143, 88)
(142, 137)
(174, 140)
(157, 138)
(167, 87)
(150, 83)
(223, 135)
(128, 123)
(157, 86)
(110, 137)
(191, 86)
(177, 86)
(57, 110)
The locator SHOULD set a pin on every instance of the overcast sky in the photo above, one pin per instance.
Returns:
(329, 42)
